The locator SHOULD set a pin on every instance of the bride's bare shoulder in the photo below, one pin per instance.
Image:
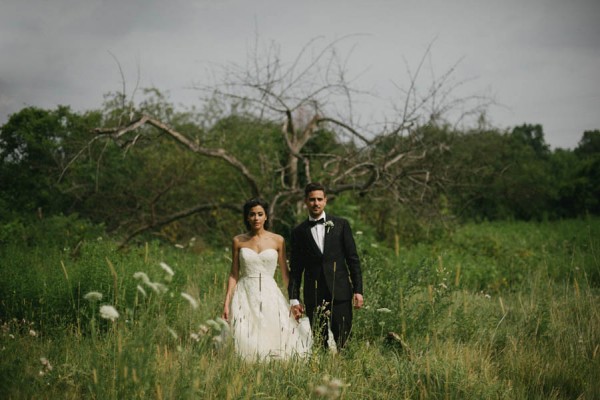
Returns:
(242, 238)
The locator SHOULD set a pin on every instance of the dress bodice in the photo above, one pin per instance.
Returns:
(253, 264)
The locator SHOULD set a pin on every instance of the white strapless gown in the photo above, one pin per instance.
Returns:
(260, 315)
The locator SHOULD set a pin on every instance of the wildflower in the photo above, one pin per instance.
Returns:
(46, 364)
(93, 296)
(109, 312)
(167, 269)
(173, 333)
(384, 310)
(32, 333)
(194, 336)
(359, 233)
(142, 291)
(179, 246)
(142, 276)
(203, 329)
(157, 287)
(213, 324)
(190, 299)
(443, 285)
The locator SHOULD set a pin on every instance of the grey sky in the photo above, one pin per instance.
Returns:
(540, 59)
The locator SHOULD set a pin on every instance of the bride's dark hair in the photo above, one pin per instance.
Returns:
(256, 201)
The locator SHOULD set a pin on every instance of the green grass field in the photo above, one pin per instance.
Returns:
(504, 310)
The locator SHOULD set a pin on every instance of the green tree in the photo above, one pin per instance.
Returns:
(35, 147)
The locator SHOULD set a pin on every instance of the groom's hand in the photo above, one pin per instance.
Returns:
(297, 311)
(358, 301)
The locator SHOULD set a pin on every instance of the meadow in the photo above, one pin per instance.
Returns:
(504, 310)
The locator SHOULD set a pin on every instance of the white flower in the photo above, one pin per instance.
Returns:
(328, 225)
(190, 299)
(179, 246)
(203, 329)
(109, 312)
(142, 291)
(173, 333)
(166, 268)
(384, 310)
(32, 333)
(142, 276)
(157, 287)
(213, 324)
(93, 296)
(46, 364)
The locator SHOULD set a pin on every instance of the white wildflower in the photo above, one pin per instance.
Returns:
(93, 296)
(157, 287)
(179, 246)
(203, 329)
(190, 299)
(166, 268)
(32, 333)
(194, 336)
(321, 390)
(142, 276)
(142, 291)
(213, 324)
(173, 333)
(384, 310)
(359, 232)
(109, 312)
(46, 364)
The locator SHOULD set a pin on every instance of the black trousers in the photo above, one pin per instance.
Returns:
(337, 315)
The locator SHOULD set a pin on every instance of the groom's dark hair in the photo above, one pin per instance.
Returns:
(311, 187)
(256, 201)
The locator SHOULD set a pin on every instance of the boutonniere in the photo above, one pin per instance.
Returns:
(328, 225)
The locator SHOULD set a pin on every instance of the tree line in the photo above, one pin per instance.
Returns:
(50, 165)
(147, 168)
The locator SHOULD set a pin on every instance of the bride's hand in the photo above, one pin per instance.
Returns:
(226, 313)
(297, 311)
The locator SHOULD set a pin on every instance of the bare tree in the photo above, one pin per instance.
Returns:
(312, 96)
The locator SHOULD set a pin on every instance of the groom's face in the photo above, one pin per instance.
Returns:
(315, 202)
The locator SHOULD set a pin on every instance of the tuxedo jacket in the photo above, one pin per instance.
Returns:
(337, 267)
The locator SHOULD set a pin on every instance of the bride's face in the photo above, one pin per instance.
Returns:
(256, 218)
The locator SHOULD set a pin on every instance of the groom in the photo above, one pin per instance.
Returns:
(323, 251)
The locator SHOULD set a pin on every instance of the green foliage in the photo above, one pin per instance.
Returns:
(467, 325)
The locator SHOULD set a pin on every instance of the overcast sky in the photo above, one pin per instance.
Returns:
(539, 59)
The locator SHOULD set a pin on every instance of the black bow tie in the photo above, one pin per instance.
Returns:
(319, 221)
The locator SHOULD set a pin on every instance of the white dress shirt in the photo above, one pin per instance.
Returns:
(318, 231)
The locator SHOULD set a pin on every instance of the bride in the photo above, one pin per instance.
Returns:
(255, 307)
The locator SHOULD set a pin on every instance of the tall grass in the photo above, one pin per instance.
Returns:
(494, 311)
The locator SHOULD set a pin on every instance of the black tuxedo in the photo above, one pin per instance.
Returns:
(330, 278)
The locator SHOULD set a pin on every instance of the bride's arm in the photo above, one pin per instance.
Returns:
(285, 275)
(233, 277)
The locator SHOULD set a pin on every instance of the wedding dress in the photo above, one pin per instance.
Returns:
(260, 317)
